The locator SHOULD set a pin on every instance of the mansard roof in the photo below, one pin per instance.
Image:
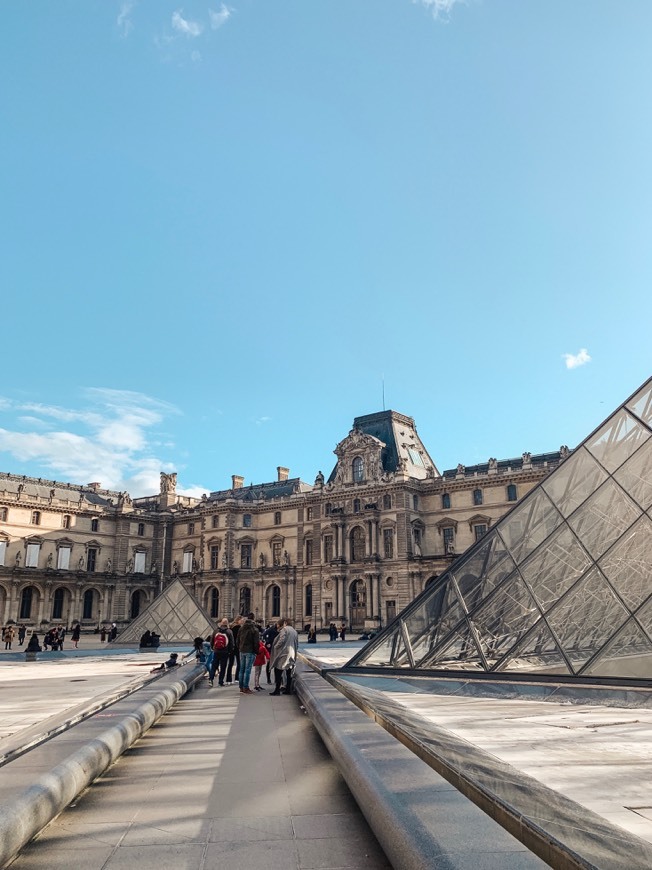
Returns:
(502, 465)
(262, 491)
(37, 487)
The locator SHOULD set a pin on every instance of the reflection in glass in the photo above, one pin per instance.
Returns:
(617, 440)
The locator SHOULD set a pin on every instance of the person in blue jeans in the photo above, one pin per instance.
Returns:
(248, 643)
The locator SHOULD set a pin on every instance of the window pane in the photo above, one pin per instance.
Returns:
(480, 573)
(554, 568)
(31, 559)
(537, 651)
(641, 404)
(187, 563)
(574, 481)
(635, 476)
(603, 518)
(628, 564)
(628, 655)
(504, 619)
(63, 558)
(529, 524)
(618, 439)
(3, 552)
(139, 563)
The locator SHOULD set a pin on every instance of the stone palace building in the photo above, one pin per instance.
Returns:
(357, 546)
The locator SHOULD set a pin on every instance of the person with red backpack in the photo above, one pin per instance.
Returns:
(222, 646)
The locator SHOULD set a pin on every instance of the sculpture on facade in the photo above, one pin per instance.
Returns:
(17, 562)
(48, 563)
(168, 482)
(109, 565)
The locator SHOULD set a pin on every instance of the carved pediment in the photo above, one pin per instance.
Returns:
(363, 450)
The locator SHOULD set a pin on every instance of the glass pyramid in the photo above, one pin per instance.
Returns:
(174, 614)
(562, 584)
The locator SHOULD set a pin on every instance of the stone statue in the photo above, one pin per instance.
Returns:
(225, 561)
(175, 567)
(527, 459)
(18, 559)
(563, 451)
(48, 563)
(461, 468)
(154, 568)
(80, 564)
(109, 565)
(168, 482)
(319, 480)
(286, 557)
(262, 560)
(493, 464)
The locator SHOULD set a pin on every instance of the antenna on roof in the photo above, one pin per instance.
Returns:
(383, 392)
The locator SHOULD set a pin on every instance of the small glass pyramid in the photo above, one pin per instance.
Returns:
(174, 614)
(562, 584)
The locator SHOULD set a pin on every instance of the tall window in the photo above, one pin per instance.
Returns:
(91, 559)
(26, 599)
(308, 600)
(57, 604)
(328, 507)
(309, 551)
(357, 544)
(387, 502)
(3, 552)
(388, 543)
(65, 521)
(245, 556)
(308, 514)
(4, 513)
(31, 556)
(449, 540)
(276, 600)
(358, 469)
(415, 502)
(416, 534)
(141, 530)
(277, 518)
(216, 520)
(135, 604)
(139, 563)
(276, 553)
(191, 528)
(63, 558)
(246, 521)
(477, 496)
(479, 530)
(36, 518)
(511, 492)
(87, 607)
(187, 563)
(356, 505)
(215, 556)
(214, 606)
(446, 501)
(328, 548)
(95, 525)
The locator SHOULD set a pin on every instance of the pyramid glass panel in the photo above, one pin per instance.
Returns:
(628, 564)
(641, 404)
(175, 614)
(628, 654)
(529, 524)
(603, 518)
(617, 440)
(555, 566)
(538, 651)
(586, 618)
(635, 476)
(563, 582)
(504, 619)
(574, 481)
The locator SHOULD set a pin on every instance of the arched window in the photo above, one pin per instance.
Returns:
(277, 518)
(26, 599)
(245, 601)
(65, 521)
(358, 469)
(308, 600)
(477, 496)
(135, 604)
(387, 502)
(214, 606)
(276, 600)
(446, 501)
(511, 492)
(36, 518)
(57, 604)
(87, 610)
(357, 545)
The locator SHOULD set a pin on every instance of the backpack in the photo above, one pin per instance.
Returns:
(220, 641)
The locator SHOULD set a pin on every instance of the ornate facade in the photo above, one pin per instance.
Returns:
(358, 546)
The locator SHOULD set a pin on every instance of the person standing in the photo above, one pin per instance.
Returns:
(332, 631)
(248, 644)
(76, 635)
(269, 636)
(262, 658)
(222, 649)
(8, 636)
(22, 631)
(114, 631)
(234, 655)
(343, 631)
(284, 656)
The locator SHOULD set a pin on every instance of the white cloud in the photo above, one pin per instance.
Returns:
(110, 441)
(185, 25)
(124, 22)
(219, 18)
(439, 8)
(574, 360)
(260, 420)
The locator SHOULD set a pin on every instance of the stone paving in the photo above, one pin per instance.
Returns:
(223, 778)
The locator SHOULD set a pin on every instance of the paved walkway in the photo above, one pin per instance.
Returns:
(222, 780)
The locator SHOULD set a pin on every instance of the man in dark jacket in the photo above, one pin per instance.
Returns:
(222, 648)
(248, 643)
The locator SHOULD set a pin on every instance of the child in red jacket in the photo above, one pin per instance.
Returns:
(261, 658)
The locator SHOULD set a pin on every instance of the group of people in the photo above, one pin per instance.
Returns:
(334, 632)
(9, 633)
(150, 639)
(241, 648)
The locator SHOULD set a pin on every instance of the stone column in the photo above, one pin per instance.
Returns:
(344, 610)
(379, 604)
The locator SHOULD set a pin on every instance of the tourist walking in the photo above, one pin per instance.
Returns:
(76, 635)
(8, 636)
(248, 643)
(284, 656)
(22, 631)
(222, 648)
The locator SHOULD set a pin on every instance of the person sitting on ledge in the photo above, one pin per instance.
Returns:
(33, 645)
(146, 639)
(170, 663)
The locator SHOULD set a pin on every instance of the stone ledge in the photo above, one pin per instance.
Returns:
(419, 818)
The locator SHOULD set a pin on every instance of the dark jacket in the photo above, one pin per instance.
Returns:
(248, 637)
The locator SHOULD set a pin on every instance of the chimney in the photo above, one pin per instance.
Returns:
(237, 482)
(282, 473)
(95, 486)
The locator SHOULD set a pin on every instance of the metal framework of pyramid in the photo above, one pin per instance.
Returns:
(175, 614)
(562, 584)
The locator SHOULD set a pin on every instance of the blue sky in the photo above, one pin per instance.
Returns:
(224, 225)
